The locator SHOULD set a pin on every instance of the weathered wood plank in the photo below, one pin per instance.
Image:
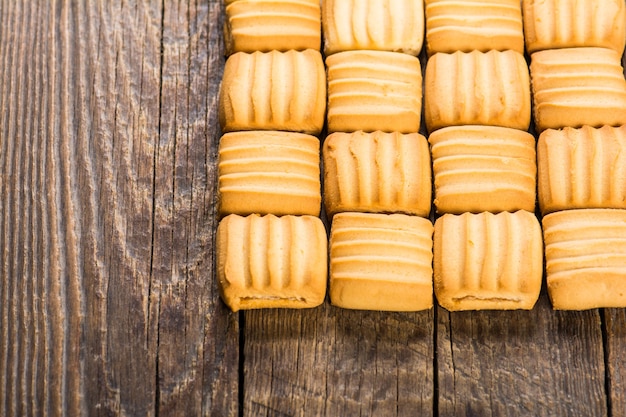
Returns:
(539, 363)
(197, 353)
(91, 341)
(119, 45)
(107, 295)
(615, 347)
(333, 362)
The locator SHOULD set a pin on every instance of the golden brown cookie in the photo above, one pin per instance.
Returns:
(381, 262)
(576, 87)
(377, 172)
(273, 91)
(374, 90)
(271, 262)
(477, 88)
(269, 172)
(467, 25)
(483, 168)
(383, 25)
(554, 24)
(582, 168)
(586, 258)
(265, 25)
(488, 261)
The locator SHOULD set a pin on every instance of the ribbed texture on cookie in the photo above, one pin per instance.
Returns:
(273, 91)
(477, 88)
(466, 25)
(374, 90)
(268, 172)
(269, 261)
(488, 261)
(582, 168)
(381, 262)
(385, 25)
(578, 86)
(377, 172)
(553, 24)
(265, 25)
(586, 258)
(483, 168)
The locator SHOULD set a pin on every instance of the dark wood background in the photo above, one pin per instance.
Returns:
(108, 299)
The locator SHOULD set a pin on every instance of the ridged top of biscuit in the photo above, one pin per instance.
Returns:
(578, 86)
(554, 24)
(273, 91)
(584, 239)
(360, 241)
(377, 172)
(585, 258)
(477, 88)
(269, 172)
(265, 25)
(486, 260)
(466, 25)
(381, 262)
(582, 168)
(396, 25)
(482, 140)
(483, 168)
(270, 261)
(374, 90)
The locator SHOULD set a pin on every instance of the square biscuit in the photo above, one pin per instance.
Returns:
(271, 262)
(273, 91)
(586, 258)
(381, 262)
(377, 172)
(382, 25)
(467, 25)
(269, 172)
(374, 90)
(488, 261)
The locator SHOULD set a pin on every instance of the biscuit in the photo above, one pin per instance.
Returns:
(467, 25)
(555, 24)
(374, 90)
(586, 258)
(265, 25)
(576, 87)
(483, 168)
(381, 262)
(384, 25)
(582, 168)
(377, 172)
(269, 172)
(477, 88)
(271, 262)
(488, 261)
(273, 91)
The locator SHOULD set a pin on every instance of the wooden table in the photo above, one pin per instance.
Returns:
(108, 297)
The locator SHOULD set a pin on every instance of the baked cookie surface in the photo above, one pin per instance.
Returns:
(483, 168)
(477, 88)
(377, 172)
(586, 258)
(488, 261)
(381, 262)
(271, 262)
(273, 91)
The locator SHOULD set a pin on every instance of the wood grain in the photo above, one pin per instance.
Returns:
(615, 351)
(108, 302)
(538, 362)
(108, 299)
(334, 362)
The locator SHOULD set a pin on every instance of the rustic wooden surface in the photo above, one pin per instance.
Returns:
(108, 301)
